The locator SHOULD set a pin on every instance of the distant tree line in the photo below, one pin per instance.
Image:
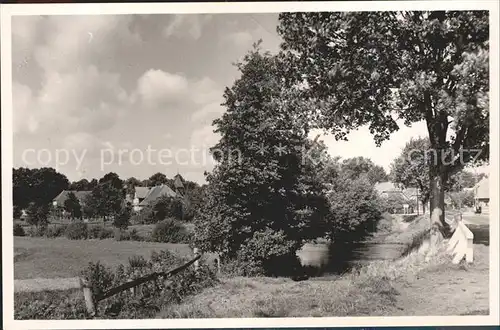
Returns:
(34, 190)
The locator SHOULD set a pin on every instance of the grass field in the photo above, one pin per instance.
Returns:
(410, 286)
(60, 257)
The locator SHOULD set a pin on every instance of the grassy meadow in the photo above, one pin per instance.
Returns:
(36, 257)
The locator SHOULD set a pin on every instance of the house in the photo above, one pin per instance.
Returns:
(409, 196)
(147, 195)
(482, 196)
(179, 184)
(139, 195)
(59, 200)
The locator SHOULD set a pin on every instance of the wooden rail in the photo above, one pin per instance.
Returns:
(92, 300)
(461, 244)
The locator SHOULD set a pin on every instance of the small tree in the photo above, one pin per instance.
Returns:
(167, 207)
(72, 206)
(17, 212)
(122, 219)
(37, 215)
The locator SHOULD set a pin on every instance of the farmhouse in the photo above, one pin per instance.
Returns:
(482, 195)
(408, 196)
(59, 200)
(148, 195)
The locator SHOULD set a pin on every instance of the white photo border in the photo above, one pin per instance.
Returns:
(7, 11)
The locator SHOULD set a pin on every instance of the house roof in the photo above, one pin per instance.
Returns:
(63, 196)
(142, 192)
(390, 188)
(156, 192)
(178, 181)
(482, 189)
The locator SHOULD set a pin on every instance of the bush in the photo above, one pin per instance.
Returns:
(166, 207)
(268, 253)
(55, 231)
(100, 232)
(355, 210)
(77, 230)
(19, 230)
(170, 231)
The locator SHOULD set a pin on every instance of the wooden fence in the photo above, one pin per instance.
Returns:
(92, 300)
(461, 244)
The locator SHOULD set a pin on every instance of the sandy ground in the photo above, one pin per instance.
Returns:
(453, 290)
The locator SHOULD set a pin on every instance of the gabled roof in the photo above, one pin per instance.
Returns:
(178, 181)
(482, 189)
(390, 188)
(142, 192)
(384, 187)
(157, 192)
(63, 196)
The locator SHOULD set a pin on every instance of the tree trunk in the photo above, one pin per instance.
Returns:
(439, 228)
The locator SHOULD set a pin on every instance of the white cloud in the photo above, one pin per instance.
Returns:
(157, 87)
(22, 99)
(86, 100)
(186, 25)
(25, 34)
(241, 39)
(208, 113)
(69, 45)
(204, 137)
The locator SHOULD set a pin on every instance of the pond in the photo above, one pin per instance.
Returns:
(340, 258)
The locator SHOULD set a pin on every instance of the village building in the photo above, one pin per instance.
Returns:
(148, 195)
(409, 197)
(482, 196)
(60, 199)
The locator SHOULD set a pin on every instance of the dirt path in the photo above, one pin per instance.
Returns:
(452, 290)
(46, 284)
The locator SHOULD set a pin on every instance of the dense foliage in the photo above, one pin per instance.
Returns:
(373, 68)
(264, 194)
(170, 231)
(145, 303)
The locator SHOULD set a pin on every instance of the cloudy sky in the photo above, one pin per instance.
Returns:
(86, 88)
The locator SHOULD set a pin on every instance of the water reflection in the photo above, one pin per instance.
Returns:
(322, 258)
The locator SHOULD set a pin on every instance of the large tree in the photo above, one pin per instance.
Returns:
(260, 201)
(373, 68)
(157, 179)
(80, 185)
(72, 206)
(39, 186)
(357, 167)
(105, 200)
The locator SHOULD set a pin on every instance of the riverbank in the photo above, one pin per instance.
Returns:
(410, 285)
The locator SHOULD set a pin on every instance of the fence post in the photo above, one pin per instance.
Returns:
(89, 297)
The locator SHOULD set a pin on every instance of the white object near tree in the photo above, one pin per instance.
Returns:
(196, 263)
(461, 244)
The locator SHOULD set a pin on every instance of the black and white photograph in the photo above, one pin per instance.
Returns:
(290, 164)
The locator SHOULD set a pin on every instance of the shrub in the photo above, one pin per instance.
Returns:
(268, 253)
(170, 231)
(55, 231)
(355, 210)
(134, 235)
(122, 219)
(166, 207)
(77, 230)
(100, 232)
(19, 230)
